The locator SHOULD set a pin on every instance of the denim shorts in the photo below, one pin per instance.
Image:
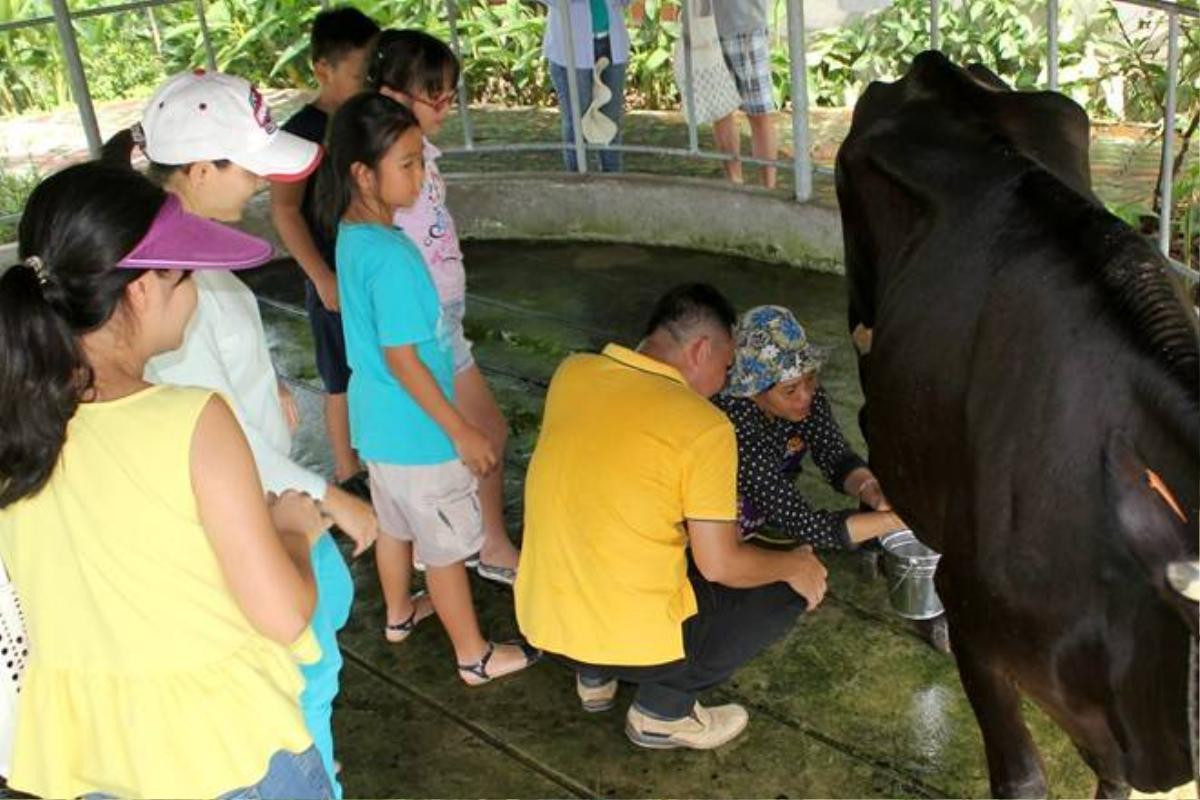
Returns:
(289, 775)
(453, 312)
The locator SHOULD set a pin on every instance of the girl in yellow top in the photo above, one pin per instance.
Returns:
(162, 593)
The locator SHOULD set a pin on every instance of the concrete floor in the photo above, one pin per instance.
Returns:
(850, 704)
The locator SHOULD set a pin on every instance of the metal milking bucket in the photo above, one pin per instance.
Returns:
(909, 567)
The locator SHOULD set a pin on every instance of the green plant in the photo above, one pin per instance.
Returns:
(15, 186)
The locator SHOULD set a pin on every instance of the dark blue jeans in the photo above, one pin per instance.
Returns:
(614, 78)
(730, 627)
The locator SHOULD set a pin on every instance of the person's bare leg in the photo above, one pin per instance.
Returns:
(765, 143)
(728, 140)
(451, 592)
(475, 402)
(337, 426)
(393, 560)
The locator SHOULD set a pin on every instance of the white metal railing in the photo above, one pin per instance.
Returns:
(801, 161)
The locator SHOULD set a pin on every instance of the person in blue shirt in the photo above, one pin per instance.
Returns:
(422, 456)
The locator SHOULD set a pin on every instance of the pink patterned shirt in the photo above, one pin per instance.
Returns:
(429, 224)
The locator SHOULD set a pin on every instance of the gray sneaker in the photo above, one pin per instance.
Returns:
(595, 699)
(703, 729)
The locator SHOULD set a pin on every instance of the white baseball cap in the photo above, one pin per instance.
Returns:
(209, 116)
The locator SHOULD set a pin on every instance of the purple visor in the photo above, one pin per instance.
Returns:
(179, 240)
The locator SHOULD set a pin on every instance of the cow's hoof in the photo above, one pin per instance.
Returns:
(936, 633)
(1116, 790)
(1031, 787)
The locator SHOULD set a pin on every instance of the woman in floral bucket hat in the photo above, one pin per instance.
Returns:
(780, 413)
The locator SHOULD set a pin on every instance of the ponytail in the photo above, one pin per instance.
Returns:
(77, 225)
(118, 152)
(41, 372)
(361, 131)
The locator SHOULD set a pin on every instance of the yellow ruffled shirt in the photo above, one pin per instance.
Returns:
(144, 679)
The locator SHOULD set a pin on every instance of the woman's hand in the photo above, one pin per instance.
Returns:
(863, 484)
(291, 413)
(872, 496)
(475, 450)
(353, 516)
(296, 512)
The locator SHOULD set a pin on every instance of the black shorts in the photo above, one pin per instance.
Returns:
(330, 342)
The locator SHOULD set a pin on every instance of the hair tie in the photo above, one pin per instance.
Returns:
(39, 268)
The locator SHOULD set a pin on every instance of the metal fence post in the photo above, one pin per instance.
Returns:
(1168, 147)
(77, 76)
(689, 90)
(798, 66)
(564, 10)
(1052, 43)
(463, 104)
(935, 30)
(208, 48)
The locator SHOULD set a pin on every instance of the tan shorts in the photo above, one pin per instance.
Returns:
(435, 506)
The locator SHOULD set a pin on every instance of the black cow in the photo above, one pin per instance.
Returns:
(1032, 379)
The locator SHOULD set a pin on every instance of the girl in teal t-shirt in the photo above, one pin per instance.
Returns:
(423, 457)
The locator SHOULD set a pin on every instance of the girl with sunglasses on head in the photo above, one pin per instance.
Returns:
(421, 72)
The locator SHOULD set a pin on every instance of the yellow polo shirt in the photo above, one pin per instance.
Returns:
(626, 453)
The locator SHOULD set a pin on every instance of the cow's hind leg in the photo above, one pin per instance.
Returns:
(1113, 790)
(1014, 766)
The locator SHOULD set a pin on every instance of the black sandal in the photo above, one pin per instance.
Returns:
(397, 632)
(479, 672)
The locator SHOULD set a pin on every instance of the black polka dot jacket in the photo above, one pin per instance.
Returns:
(770, 452)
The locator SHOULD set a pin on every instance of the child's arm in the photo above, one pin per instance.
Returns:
(286, 214)
(471, 444)
(263, 552)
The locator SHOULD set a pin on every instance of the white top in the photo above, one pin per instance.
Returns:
(225, 349)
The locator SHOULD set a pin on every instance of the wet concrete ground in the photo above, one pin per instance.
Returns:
(850, 704)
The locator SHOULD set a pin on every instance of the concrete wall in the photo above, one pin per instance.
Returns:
(693, 213)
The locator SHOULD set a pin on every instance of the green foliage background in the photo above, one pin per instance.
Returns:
(127, 54)
(265, 40)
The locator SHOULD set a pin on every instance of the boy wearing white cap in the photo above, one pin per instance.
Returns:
(209, 138)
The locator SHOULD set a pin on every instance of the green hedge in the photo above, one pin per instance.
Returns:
(265, 40)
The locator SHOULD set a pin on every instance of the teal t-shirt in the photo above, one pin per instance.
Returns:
(599, 17)
(387, 300)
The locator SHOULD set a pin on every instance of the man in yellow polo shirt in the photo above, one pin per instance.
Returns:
(632, 467)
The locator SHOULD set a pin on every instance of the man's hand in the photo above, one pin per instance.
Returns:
(808, 580)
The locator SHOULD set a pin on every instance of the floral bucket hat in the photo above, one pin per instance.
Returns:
(771, 346)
